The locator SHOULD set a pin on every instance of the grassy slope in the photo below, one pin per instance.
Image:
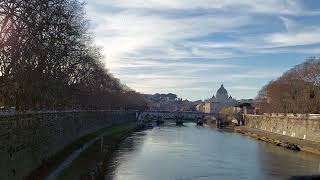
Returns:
(82, 166)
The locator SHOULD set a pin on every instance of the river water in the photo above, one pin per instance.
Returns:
(198, 153)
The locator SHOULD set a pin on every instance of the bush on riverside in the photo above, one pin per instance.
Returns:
(228, 114)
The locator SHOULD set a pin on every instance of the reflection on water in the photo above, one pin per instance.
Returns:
(191, 153)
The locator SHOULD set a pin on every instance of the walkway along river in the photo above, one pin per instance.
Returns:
(197, 153)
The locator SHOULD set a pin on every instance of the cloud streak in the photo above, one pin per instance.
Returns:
(145, 42)
(252, 6)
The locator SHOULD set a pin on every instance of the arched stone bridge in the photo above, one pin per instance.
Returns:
(166, 115)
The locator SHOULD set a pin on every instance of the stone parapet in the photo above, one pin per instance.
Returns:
(28, 140)
(299, 126)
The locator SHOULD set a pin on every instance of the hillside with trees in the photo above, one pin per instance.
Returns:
(48, 60)
(296, 91)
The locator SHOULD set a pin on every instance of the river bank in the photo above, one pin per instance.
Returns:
(91, 162)
(288, 142)
(80, 158)
(194, 152)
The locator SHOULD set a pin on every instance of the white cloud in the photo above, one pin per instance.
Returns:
(181, 79)
(173, 37)
(157, 30)
(169, 66)
(255, 6)
(290, 25)
(297, 34)
(261, 74)
(295, 39)
(133, 34)
(244, 88)
(129, 33)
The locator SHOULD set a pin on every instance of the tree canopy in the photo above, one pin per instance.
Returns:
(48, 60)
(296, 91)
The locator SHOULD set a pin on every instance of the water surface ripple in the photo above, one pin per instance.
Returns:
(200, 153)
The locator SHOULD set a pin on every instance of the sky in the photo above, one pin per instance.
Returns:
(191, 47)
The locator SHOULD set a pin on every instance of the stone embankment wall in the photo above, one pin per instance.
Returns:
(298, 126)
(26, 141)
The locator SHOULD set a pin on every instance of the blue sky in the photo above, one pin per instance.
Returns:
(190, 47)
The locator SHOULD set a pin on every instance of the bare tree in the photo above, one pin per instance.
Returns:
(296, 91)
(47, 59)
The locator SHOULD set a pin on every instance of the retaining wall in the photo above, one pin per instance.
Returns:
(301, 127)
(26, 141)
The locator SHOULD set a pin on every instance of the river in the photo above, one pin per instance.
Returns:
(198, 153)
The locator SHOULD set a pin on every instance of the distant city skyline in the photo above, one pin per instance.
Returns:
(191, 47)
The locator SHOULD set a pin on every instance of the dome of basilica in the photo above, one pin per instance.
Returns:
(222, 93)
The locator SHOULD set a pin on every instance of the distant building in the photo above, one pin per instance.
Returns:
(200, 107)
(246, 106)
(209, 107)
(216, 103)
(168, 102)
(249, 101)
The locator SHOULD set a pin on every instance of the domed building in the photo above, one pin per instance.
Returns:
(222, 93)
(221, 100)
